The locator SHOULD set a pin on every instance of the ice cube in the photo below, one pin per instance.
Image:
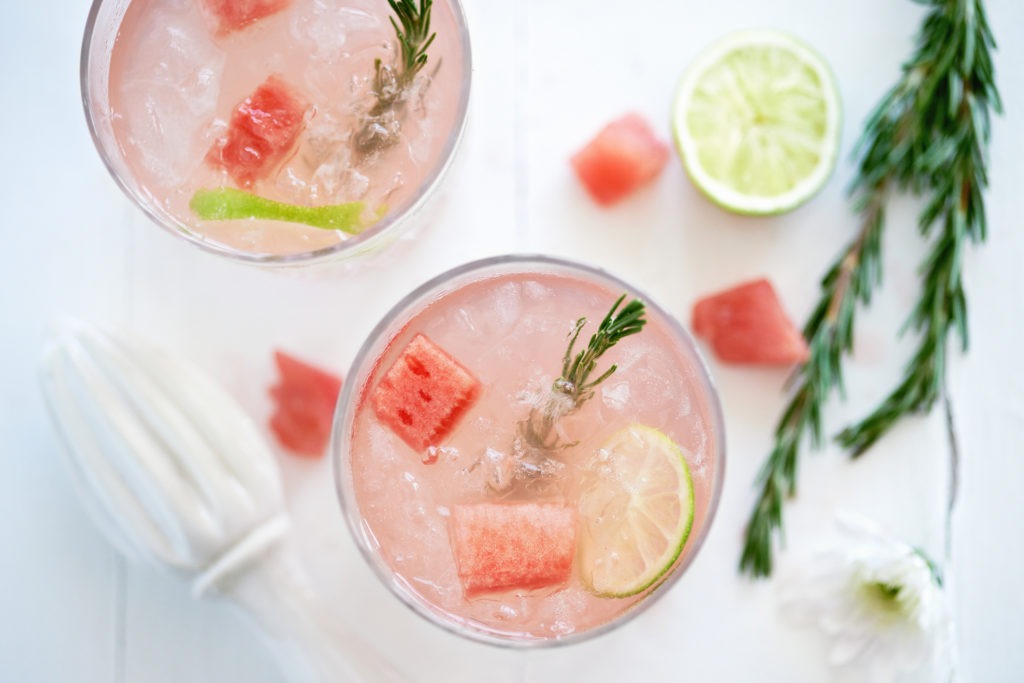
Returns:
(506, 306)
(500, 470)
(616, 396)
(327, 152)
(465, 318)
(334, 182)
(342, 37)
(290, 186)
(169, 93)
(421, 140)
(494, 471)
(327, 25)
(327, 141)
(537, 292)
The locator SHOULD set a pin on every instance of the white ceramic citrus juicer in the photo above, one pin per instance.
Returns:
(177, 473)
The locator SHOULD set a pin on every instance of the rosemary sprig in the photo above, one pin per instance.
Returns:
(927, 135)
(574, 386)
(955, 105)
(829, 333)
(576, 370)
(381, 126)
(414, 36)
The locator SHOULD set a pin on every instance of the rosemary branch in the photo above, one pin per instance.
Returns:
(829, 334)
(928, 135)
(574, 386)
(955, 106)
(414, 36)
(381, 126)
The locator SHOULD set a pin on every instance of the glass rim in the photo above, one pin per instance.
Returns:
(389, 225)
(366, 358)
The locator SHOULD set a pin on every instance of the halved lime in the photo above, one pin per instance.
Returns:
(636, 511)
(756, 119)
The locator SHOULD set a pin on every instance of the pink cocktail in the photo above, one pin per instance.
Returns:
(481, 498)
(276, 131)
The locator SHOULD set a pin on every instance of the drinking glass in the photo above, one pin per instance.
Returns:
(498, 318)
(103, 30)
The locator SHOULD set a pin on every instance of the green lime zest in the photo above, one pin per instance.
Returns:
(228, 203)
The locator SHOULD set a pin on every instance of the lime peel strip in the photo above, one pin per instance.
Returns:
(228, 203)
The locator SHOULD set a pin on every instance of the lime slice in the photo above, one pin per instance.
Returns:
(636, 511)
(756, 120)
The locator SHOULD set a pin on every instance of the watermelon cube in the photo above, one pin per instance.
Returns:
(746, 324)
(233, 15)
(512, 546)
(625, 155)
(304, 399)
(424, 394)
(263, 129)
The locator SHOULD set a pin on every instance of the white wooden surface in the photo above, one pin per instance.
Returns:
(547, 75)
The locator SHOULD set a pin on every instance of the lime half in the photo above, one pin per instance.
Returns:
(756, 119)
(636, 511)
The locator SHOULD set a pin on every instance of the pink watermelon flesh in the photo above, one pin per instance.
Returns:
(304, 399)
(746, 324)
(625, 155)
(424, 394)
(512, 546)
(232, 15)
(263, 129)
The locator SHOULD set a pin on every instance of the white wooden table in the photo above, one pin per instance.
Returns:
(547, 75)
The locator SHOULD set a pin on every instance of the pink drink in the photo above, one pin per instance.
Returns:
(506, 321)
(163, 81)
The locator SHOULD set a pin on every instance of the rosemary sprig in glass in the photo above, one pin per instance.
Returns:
(382, 125)
(414, 36)
(574, 386)
(929, 136)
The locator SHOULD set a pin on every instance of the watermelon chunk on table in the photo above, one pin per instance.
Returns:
(623, 156)
(512, 546)
(263, 130)
(304, 400)
(233, 15)
(747, 324)
(423, 395)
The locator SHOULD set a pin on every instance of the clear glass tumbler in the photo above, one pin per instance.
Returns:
(506, 321)
(137, 124)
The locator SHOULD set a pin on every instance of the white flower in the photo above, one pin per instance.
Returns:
(879, 600)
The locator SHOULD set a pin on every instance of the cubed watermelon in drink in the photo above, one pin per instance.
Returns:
(512, 546)
(232, 15)
(304, 399)
(424, 394)
(263, 130)
(747, 324)
(625, 155)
